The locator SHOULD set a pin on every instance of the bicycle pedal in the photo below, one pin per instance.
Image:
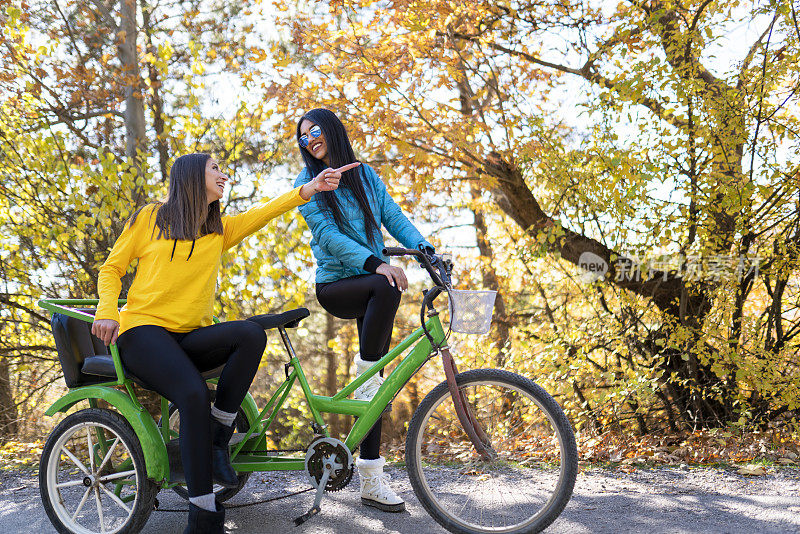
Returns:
(306, 516)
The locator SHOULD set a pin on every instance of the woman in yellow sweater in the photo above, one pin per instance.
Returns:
(165, 332)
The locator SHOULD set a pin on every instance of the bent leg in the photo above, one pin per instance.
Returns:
(373, 302)
(154, 356)
(369, 299)
(238, 345)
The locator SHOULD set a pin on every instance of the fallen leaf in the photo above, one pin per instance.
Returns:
(751, 470)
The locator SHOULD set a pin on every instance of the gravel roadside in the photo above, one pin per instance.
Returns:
(660, 500)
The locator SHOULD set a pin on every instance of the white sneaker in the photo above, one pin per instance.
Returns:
(375, 489)
(368, 389)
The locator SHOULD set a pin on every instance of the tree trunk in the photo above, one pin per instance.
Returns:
(664, 289)
(9, 416)
(469, 107)
(501, 333)
(157, 103)
(128, 55)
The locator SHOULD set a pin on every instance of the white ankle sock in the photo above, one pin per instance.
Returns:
(206, 502)
(226, 418)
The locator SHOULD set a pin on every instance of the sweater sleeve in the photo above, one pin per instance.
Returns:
(327, 233)
(395, 220)
(237, 227)
(329, 236)
(109, 283)
(372, 263)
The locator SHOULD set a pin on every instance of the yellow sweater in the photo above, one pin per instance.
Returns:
(177, 294)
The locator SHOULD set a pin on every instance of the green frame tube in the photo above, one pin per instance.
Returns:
(367, 412)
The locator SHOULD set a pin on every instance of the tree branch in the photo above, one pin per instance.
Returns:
(752, 52)
(517, 201)
(586, 72)
(686, 66)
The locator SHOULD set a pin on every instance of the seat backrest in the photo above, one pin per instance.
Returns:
(74, 342)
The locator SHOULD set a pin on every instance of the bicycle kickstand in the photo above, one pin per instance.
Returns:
(326, 473)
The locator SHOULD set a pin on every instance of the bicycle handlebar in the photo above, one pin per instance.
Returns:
(441, 279)
(423, 258)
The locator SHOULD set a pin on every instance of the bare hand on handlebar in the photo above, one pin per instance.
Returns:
(431, 262)
(395, 275)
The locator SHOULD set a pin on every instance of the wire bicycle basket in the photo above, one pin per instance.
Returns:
(471, 311)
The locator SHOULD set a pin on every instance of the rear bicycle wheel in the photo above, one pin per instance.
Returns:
(524, 488)
(92, 477)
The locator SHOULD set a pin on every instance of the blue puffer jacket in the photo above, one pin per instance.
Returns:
(341, 252)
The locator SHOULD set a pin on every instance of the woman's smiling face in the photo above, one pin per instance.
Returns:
(215, 181)
(317, 146)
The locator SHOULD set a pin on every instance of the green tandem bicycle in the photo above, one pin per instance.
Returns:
(487, 450)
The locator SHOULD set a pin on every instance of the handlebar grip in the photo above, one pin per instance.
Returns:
(399, 251)
(421, 256)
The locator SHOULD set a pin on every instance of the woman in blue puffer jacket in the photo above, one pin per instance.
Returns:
(354, 280)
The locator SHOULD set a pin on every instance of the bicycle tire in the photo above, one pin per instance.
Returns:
(536, 465)
(55, 471)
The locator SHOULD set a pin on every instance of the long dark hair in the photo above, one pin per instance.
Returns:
(186, 214)
(340, 152)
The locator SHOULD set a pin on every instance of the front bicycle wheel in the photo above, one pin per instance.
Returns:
(524, 487)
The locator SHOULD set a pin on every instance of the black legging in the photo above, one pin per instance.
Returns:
(373, 303)
(170, 364)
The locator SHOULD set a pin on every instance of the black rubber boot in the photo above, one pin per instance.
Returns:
(222, 471)
(205, 521)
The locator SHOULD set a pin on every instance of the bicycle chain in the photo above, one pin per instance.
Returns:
(340, 486)
(231, 506)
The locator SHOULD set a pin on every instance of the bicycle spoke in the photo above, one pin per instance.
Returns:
(115, 476)
(75, 460)
(90, 448)
(467, 499)
(115, 499)
(69, 484)
(108, 454)
(80, 504)
(99, 509)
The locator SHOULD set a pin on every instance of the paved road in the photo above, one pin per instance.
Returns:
(667, 500)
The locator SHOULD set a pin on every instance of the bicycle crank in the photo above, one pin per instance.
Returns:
(329, 465)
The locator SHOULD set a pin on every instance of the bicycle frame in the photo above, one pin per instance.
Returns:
(367, 412)
(251, 454)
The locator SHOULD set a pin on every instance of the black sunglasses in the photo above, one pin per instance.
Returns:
(315, 132)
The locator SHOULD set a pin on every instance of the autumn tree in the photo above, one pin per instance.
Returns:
(622, 134)
(96, 99)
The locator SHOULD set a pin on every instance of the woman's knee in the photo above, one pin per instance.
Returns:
(384, 291)
(252, 335)
(192, 396)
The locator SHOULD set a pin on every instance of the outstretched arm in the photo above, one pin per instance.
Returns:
(327, 180)
(238, 227)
